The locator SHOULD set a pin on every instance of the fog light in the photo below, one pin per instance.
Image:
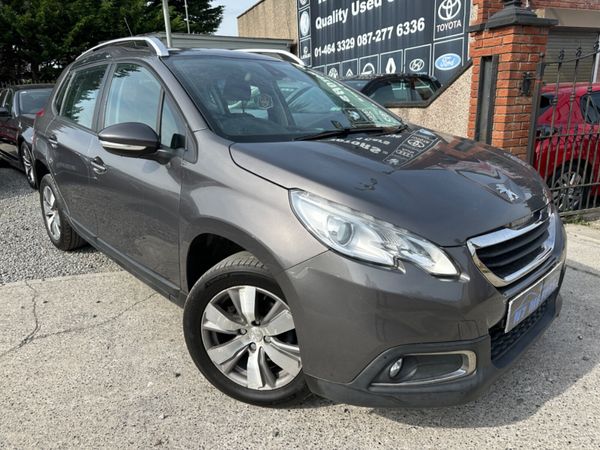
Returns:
(395, 369)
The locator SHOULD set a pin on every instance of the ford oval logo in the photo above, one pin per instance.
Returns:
(448, 61)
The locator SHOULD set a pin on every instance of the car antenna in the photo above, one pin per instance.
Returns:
(127, 24)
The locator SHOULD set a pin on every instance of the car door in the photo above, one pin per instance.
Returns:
(137, 199)
(70, 135)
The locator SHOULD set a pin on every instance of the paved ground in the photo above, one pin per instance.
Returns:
(99, 360)
(26, 253)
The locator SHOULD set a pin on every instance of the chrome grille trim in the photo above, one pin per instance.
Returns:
(508, 234)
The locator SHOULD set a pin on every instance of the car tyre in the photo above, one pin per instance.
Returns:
(28, 165)
(567, 192)
(60, 232)
(232, 332)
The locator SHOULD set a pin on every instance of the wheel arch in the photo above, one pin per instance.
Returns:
(40, 169)
(211, 241)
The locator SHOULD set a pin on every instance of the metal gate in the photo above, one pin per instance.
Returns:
(565, 132)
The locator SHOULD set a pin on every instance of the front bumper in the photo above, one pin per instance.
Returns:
(364, 392)
(354, 320)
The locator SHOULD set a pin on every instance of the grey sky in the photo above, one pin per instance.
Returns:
(233, 8)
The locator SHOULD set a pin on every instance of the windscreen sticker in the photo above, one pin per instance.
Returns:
(264, 101)
(396, 150)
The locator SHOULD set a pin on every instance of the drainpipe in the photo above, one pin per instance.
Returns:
(165, 4)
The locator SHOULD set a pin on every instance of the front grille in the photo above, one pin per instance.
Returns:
(502, 342)
(507, 255)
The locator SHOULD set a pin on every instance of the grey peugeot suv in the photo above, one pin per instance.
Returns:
(316, 242)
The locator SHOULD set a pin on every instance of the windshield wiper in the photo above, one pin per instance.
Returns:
(346, 131)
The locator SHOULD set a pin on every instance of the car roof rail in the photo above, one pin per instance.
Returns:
(152, 42)
(286, 56)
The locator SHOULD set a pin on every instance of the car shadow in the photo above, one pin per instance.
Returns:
(13, 183)
(562, 357)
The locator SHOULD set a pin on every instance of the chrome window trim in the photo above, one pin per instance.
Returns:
(508, 234)
(469, 367)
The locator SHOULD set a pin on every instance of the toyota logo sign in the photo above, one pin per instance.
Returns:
(449, 9)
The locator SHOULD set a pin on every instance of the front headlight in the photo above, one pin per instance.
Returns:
(363, 237)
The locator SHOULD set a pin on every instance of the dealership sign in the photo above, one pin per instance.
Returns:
(343, 38)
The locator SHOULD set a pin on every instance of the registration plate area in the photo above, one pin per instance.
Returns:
(526, 303)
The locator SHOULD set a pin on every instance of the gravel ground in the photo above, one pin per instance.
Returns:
(26, 253)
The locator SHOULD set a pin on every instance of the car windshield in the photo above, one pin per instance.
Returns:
(248, 100)
(31, 101)
(356, 84)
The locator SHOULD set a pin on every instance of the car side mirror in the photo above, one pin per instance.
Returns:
(4, 112)
(132, 139)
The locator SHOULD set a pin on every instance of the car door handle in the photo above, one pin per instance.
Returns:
(53, 141)
(98, 165)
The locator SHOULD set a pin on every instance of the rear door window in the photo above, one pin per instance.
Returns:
(80, 100)
(134, 96)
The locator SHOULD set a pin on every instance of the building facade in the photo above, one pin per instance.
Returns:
(502, 43)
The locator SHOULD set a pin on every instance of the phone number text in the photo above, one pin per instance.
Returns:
(383, 34)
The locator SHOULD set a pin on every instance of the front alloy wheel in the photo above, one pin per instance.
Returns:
(249, 335)
(241, 334)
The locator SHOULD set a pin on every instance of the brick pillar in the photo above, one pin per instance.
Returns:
(517, 39)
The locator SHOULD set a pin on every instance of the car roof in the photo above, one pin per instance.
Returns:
(384, 76)
(567, 88)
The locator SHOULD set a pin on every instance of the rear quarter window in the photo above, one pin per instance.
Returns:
(590, 108)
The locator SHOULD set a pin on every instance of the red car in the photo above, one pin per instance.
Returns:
(567, 152)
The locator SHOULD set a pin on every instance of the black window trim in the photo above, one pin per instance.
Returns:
(64, 83)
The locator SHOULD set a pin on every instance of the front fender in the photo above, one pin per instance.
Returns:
(243, 208)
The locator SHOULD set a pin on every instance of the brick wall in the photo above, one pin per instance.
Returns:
(519, 50)
(483, 9)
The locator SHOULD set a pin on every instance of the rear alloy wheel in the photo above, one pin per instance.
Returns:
(568, 193)
(241, 334)
(51, 215)
(27, 161)
(60, 232)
